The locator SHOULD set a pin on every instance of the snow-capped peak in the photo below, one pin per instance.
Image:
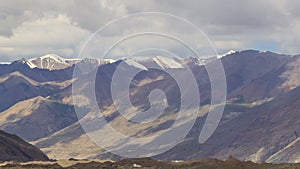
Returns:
(161, 61)
(228, 53)
(51, 62)
(50, 56)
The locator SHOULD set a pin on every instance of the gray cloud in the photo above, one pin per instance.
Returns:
(31, 28)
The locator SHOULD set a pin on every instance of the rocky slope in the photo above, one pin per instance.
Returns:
(257, 132)
(44, 116)
(16, 87)
(13, 148)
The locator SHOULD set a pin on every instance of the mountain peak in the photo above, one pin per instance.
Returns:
(50, 56)
(52, 62)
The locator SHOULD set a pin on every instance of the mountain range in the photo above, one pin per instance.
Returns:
(260, 121)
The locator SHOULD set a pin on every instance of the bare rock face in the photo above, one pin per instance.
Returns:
(13, 148)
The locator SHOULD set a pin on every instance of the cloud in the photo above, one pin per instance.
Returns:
(34, 27)
(50, 34)
(90, 16)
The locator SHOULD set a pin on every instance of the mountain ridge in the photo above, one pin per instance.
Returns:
(260, 88)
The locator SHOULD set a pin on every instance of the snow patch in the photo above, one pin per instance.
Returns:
(31, 65)
(133, 63)
(161, 61)
(105, 61)
(136, 166)
(5, 63)
(167, 62)
(228, 53)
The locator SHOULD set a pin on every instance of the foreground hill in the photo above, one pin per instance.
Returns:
(13, 148)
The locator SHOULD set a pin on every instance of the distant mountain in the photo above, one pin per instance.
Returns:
(55, 62)
(15, 87)
(259, 131)
(39, 75)
(250, 74)
(13, 148)
(256, 75)
(262, 92)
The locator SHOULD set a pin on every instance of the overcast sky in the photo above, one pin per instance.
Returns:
(33, 28)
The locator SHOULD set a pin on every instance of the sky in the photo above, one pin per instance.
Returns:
(32, 28)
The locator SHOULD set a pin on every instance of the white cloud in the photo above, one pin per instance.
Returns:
(49, 34)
